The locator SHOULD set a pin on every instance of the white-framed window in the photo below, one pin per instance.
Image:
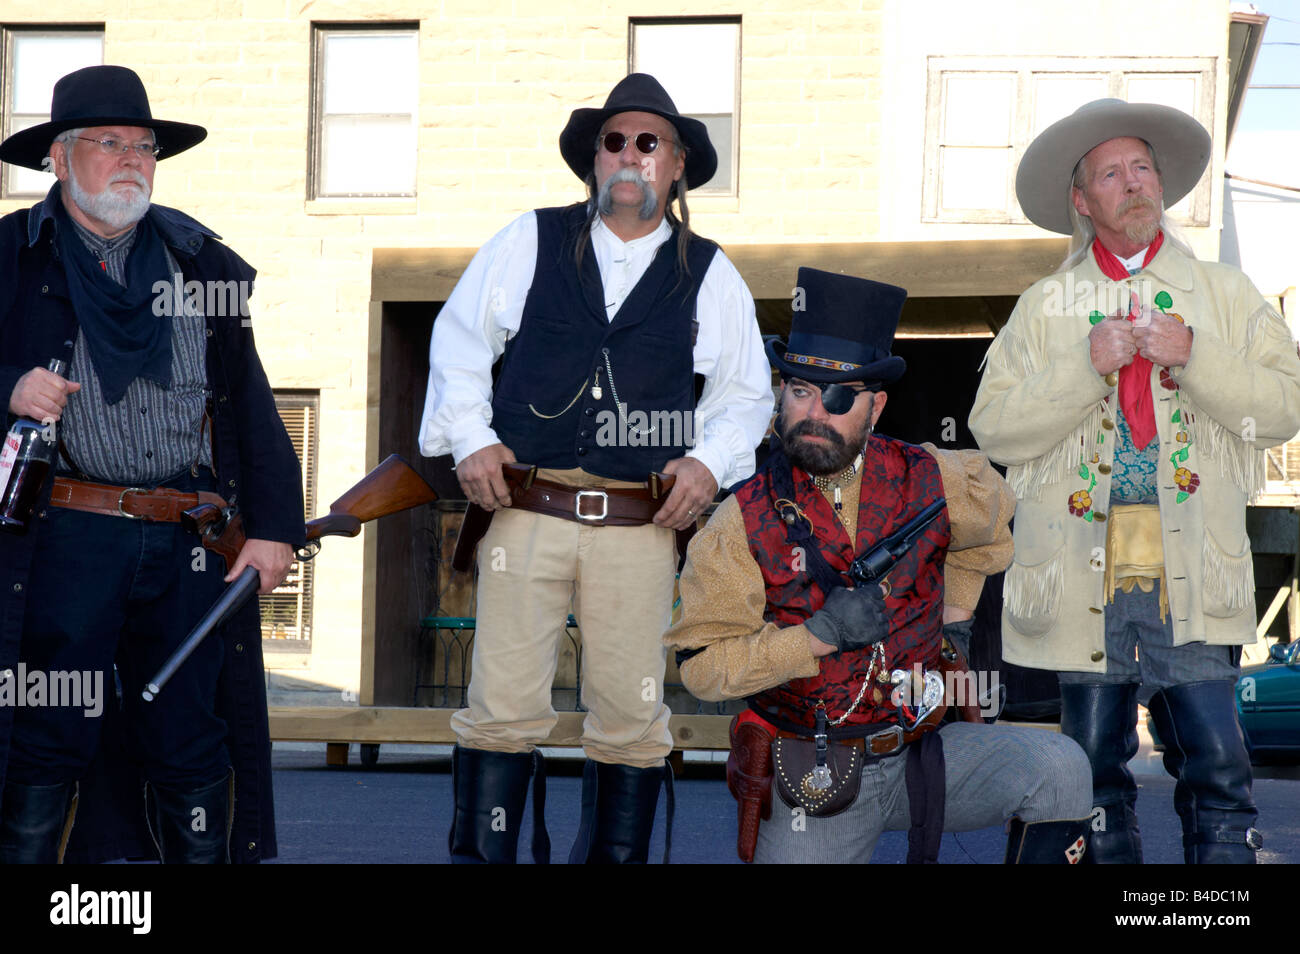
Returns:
(983, 112)
(363, 124)
(33, 59)
(697, 59)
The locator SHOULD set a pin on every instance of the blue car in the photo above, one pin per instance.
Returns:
(1268, 707)
(1268, 704)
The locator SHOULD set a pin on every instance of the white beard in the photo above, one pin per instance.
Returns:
(116, 209)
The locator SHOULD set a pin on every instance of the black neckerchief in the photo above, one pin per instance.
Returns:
(126, 337)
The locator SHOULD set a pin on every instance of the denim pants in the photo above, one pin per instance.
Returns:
(106, 592)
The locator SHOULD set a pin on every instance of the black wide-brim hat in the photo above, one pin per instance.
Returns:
(98, 96)
(841, 330)
(638, 93)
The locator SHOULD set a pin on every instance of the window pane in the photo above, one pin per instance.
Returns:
(367, 154)
(974, 178)
(40, 60)
(695, 62)
(374, 73)
(1056, 97)
(1176, 91)
(978, 110)
(720, 135)
(27, 181)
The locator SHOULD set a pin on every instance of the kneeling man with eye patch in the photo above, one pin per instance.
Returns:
(833, 591)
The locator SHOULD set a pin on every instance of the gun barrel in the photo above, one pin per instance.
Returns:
(236, 595)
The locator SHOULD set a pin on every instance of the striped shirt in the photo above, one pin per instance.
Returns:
(154, 432)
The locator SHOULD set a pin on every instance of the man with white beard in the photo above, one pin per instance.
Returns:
(153, 415)
(606, 310)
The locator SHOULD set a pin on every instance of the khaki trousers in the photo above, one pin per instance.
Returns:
(533, 570)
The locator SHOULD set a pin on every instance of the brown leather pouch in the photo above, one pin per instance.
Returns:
(749, 779)
(794, 760)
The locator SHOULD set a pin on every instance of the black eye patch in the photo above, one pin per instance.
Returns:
(838, 398)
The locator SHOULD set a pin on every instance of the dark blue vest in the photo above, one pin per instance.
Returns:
(553, 404)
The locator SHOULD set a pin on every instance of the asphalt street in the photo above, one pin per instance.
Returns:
(399, 812)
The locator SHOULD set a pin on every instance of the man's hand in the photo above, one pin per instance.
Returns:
(1164, 341)
(820, 649)
(1111, 345)
(271, 558)
(849, 619)
(694, 490)
(41, 395)
(480, 476)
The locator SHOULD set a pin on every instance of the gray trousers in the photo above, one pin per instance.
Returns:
(991, 772)
(1140, 648)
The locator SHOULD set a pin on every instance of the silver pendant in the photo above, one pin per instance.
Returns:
(821, 778)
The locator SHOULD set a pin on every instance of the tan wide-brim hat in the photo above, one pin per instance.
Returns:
(1181, 144)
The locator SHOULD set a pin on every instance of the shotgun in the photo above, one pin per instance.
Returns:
(390, 488)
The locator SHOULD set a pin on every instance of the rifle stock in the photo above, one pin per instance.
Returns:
(390, 488)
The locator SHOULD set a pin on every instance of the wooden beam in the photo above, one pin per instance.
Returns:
(339, 724)
(377, 724)
(925, 269)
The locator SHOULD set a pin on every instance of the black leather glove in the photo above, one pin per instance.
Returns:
(851, 619)
(959, 634)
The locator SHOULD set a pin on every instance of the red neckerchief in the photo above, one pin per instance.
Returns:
(1134, 378)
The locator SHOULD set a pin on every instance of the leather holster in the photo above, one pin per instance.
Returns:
(749, 779)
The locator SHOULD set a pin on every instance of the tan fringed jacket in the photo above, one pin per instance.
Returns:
(1043, 410)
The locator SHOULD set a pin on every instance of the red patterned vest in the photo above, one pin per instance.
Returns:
(898, 479)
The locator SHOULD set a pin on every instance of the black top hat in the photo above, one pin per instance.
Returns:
(842, 332)
(98, 96)
(638, 93)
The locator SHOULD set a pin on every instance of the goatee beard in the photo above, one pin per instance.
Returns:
(117, 210)
(820, 460)
(1142, 232)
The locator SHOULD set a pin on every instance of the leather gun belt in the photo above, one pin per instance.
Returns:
(160, 504)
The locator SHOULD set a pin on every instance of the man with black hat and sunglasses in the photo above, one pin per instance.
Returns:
(846, 680)
(592, 447)
(155, 407)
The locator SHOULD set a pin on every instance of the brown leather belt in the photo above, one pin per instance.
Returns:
(612, 507)
(161, 504)
(887, 741)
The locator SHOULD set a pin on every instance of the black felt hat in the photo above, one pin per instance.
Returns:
(638, 93)
(98, 96)
(841, 330)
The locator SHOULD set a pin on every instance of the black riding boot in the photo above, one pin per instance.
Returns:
(618, 813)
(35, 821)
(1102, 719)
(490, 789)
(1205, 752)
(1062, 842)
(192, 828)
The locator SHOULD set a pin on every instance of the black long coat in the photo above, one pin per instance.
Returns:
(256, 466)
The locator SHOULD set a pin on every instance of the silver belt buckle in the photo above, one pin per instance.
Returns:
(894, 730)
(122, 496)
(604, 505)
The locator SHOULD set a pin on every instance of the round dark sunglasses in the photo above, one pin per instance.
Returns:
(646, 142)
